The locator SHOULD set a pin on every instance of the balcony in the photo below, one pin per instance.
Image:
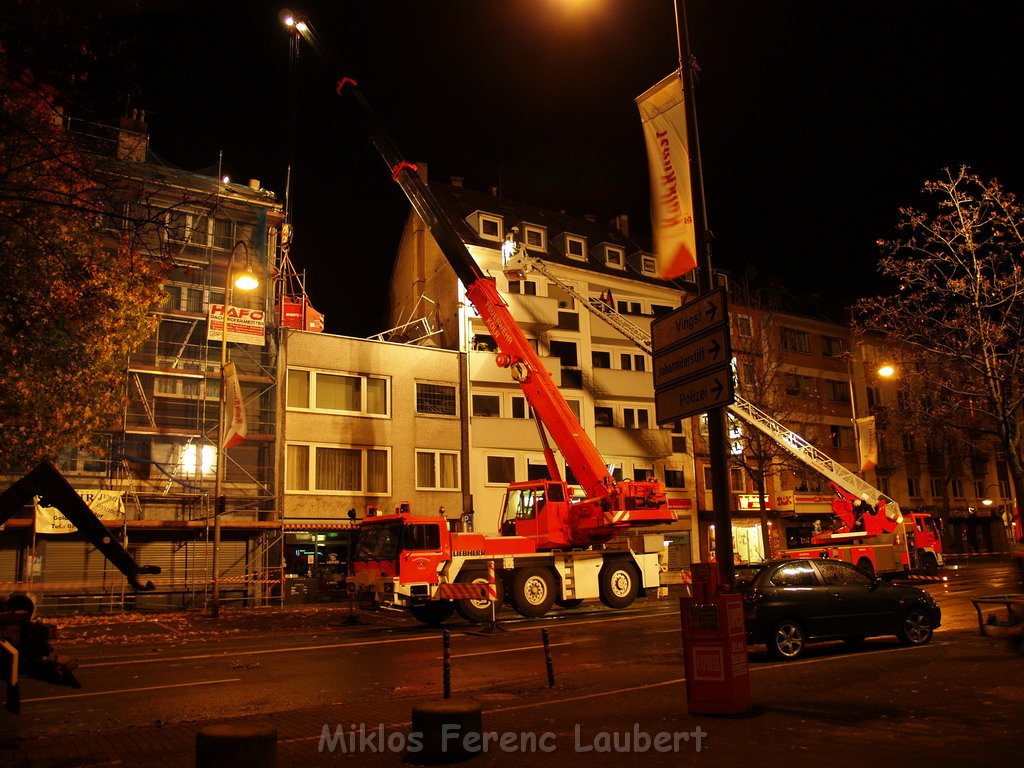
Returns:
(648, 443)
(483, 369)
(533, 313)
(506, 434)
(602, 333)
(611, 383)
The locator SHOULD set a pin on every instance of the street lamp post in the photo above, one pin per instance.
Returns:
(246, 282)
(885, 371)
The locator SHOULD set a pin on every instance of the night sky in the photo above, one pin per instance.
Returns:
(818, 118)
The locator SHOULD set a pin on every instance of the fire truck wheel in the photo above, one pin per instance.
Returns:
(433, 613)
(864, 564)
(929, 564)
(533, 591)
(476, 611)
(916, 628)
(619, 585)
(787, 640)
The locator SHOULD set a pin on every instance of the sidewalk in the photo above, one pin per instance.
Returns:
(957, 702)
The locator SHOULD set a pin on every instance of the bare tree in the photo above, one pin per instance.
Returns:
(958, 314)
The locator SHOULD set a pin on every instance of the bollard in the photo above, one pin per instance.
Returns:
(547, 658)
(236, 745)
(447, 731)
(446, 642)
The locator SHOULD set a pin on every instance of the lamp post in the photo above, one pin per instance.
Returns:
(885, 371)
(246, 281)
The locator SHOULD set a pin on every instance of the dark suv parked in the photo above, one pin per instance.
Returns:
(790, 603)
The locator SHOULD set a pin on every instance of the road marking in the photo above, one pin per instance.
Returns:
(261, 652)
(135, 690)
(504, 650)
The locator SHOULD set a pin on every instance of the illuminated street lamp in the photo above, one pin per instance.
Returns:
(246, 281)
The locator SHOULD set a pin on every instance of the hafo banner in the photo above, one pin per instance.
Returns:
(106, 505)
(245, 326)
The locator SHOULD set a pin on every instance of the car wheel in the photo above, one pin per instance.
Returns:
(916, 628)
(619, 585)
(533, 592)
(432, 614)
(787, 640)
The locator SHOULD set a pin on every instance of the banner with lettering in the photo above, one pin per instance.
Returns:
(106, 505)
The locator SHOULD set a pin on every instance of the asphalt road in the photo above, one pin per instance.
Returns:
(174, 668)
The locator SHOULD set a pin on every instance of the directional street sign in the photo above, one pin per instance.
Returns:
(693, 396)
(688, 360)
(692, 359)
(689, 321)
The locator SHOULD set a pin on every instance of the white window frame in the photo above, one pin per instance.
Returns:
(581, 241)
(744, 326)
(615, 257)
(312, 490)
(496, 220)
(636, 410)
(447, 385)
(534, 229)
(174, 386)
(498, 483)
(648, 265)
(363, 377)
(437, 468)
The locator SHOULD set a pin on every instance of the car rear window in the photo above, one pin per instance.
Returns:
(795, 575)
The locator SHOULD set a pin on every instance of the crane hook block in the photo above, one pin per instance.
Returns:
(402, 166)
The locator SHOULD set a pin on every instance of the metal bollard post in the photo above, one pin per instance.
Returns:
(547, 658)
(446, 641)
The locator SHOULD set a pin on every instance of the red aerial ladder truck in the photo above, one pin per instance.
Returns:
(868, 528)
(550, 547)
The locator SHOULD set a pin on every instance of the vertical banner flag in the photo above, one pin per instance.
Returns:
(868, 443)
(663, 116)
(234, 408)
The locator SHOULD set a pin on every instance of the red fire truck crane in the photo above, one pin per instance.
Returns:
(550, 547)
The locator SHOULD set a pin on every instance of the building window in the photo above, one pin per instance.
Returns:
(76, 461)
(675, 478)
(535, 237)
(979, 489)
(629, 307)
(796, 341)
(566, 352)
(353, 394)
(487, 406)
(633, 362)
(908, 443)
(641, 473)
(604, 416)
(576, 406)
(837, 391)
(937, 488)
(749, 373)
(744, 327)
(660, 310)
(647, 265)
(799, 386)
(736, 479)
(832, 346)
(614, 257)
(437, 470)
(523, 287)
(636, 418)
(883, 485)
(174, 386)
(707, 478)
(840, 437)
(490, 227)
(601, 359)
(956, 488)
(520, 410)
(568, 321)
(575, 247)
(337, 470)
(501, 469)
(678, 443)
(436, 399)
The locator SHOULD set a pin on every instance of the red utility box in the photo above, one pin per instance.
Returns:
(714, 647)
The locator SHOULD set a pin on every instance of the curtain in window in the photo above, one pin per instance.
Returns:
(376, 471)
(296, 471)
(338, 393)
(426, 476)
(449, 466)
(338, 469)
(298, 389)
(377, 396)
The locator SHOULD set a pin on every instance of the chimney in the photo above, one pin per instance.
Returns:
(133, 138)
(456, 181)
(621, 223)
